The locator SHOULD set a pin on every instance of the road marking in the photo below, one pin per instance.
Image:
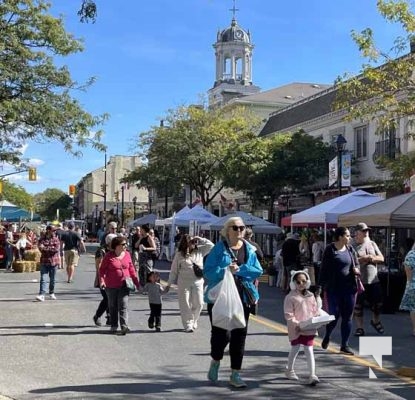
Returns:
(356, 359)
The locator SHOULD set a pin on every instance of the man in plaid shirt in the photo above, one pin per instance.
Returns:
(49, 246)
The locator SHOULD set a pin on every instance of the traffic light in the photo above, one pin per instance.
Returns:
(72, 190)
(103, 187)
(32, 174)
(117, 196)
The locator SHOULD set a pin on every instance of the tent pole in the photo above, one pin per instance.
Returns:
(325, 234)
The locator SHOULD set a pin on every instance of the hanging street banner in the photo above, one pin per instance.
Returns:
(346, 170)
(333, 171)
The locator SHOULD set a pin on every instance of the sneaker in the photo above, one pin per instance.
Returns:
(236, 381)
(150, 325)
(291, 375)
(97, 320)
(125, 330)
(346, 350)
(52, 296)
(189, 329)
(41, 297)
(325, 343)
(213, 371)
(195, 325)
(313, 380)
(158, 329)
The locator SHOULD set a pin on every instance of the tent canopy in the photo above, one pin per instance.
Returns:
(259, 225)
(146, 219)
(329, 211)
(396, 212)
(184, 216)
(15, 214)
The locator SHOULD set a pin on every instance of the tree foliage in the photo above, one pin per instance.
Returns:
(194, 148)
(17, 195)
(88, 11)
(385, 90)
(265, 168)
(49, 201)
(36, 100)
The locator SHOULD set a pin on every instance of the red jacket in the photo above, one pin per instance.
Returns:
(113, 270)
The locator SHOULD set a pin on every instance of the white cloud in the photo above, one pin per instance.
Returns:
(36, 162)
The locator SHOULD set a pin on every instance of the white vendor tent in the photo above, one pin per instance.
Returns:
(329, 211)
(258, 225)
(149, 219)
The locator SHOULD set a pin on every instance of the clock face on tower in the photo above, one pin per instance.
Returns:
(239, 34)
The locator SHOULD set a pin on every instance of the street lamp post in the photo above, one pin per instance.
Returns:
(340, 145)
(104, 213)
(122, 205)
(134, 205)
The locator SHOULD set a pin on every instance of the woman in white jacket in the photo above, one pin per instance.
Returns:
(191, 251)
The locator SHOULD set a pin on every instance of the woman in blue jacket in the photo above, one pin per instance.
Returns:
(239, 256)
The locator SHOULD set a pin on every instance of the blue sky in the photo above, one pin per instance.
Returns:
(150, 56)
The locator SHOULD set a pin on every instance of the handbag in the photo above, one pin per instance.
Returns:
(247, 293)
(198, 271)
(128, 282)
(359, 285)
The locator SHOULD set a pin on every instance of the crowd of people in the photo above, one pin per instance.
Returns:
(336, 280)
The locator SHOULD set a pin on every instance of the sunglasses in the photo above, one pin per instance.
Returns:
(238, 228)
(123, 244)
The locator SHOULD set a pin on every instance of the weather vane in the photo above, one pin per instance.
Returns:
(234, 9)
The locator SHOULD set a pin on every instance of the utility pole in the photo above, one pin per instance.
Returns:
(122, 205)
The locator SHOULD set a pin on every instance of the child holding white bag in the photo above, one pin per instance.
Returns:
(300, 305)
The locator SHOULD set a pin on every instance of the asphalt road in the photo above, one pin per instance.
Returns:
(52, 350)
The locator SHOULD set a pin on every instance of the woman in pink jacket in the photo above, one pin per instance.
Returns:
(300, 305)
(116, 266)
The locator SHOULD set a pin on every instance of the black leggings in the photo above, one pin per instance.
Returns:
(103, 305)
(221, 337)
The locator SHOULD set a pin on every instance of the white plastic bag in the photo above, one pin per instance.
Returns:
(228, 312)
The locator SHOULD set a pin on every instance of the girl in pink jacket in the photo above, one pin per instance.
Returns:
(300, 305)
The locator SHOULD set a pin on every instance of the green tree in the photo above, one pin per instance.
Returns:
(88, 11)
(384, 91)
(36, 100)
(17, 195)
(194, 148)
(49, 201)
(266, 168)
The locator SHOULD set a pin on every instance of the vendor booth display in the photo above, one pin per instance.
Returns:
(396, 214)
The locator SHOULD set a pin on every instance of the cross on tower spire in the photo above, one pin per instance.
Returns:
(234, 10)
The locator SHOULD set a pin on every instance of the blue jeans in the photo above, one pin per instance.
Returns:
(45, 271)
(9, 255)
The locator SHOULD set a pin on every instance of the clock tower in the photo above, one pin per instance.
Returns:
(233, 52)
